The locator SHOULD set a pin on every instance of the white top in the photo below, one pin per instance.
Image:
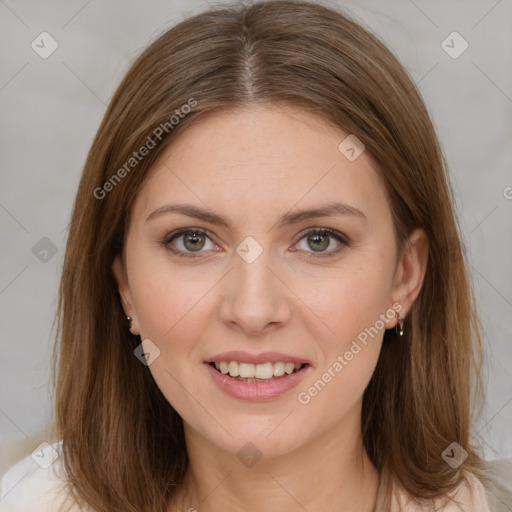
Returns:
(35, 483)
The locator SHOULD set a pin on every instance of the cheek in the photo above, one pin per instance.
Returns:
(351, 298)
(354, 304)
(338, 387)
(172, 313)
(355, 308)
(168, 300)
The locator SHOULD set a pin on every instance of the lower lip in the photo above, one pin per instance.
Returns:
(256, 391)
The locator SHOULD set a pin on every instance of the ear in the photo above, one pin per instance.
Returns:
(125, 293)
(410, 271)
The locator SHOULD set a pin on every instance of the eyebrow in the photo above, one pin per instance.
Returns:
(325, 210)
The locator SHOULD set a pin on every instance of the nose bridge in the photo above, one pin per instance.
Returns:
(254, 278)
(256, 297)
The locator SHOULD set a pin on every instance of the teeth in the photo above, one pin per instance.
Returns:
(259, 371)
(246, 370)
(279, 369)
(264, 371)
(233, 369)
(289, 367)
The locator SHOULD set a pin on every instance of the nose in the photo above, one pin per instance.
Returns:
(256, 300)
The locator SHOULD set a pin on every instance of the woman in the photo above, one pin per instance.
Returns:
(264, 303)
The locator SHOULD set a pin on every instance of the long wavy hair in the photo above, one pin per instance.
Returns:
(123, 443)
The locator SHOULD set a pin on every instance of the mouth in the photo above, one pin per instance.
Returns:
(257, 377)
(262, 372)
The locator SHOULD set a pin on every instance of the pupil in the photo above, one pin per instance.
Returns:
(319, 238)
(194, 238)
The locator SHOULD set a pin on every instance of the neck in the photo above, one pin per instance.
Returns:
(331, 473)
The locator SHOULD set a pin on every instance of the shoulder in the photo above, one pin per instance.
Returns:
(35, 482)
(493, 494)
(498, 485)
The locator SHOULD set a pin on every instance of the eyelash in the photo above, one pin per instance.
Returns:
(317, 231)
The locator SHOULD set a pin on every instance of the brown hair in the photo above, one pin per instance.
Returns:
(123, 443)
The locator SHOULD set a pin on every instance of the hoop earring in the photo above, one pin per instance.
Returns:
(400, 325)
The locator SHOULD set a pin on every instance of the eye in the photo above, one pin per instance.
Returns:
(185, 242)
(319, 240)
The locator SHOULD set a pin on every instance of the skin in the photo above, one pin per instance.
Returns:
(252, 166)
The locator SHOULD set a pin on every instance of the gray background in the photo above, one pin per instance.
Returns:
(50, 109)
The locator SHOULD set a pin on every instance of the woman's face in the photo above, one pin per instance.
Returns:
(262, 279)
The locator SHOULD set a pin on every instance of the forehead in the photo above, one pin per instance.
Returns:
(261, 159)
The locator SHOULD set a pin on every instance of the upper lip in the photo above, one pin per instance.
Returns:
(262, 357)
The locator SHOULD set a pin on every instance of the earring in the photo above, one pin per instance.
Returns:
(129, 320)
(399, 325)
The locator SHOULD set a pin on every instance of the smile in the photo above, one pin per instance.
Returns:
(256, 382)
(256, 372)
